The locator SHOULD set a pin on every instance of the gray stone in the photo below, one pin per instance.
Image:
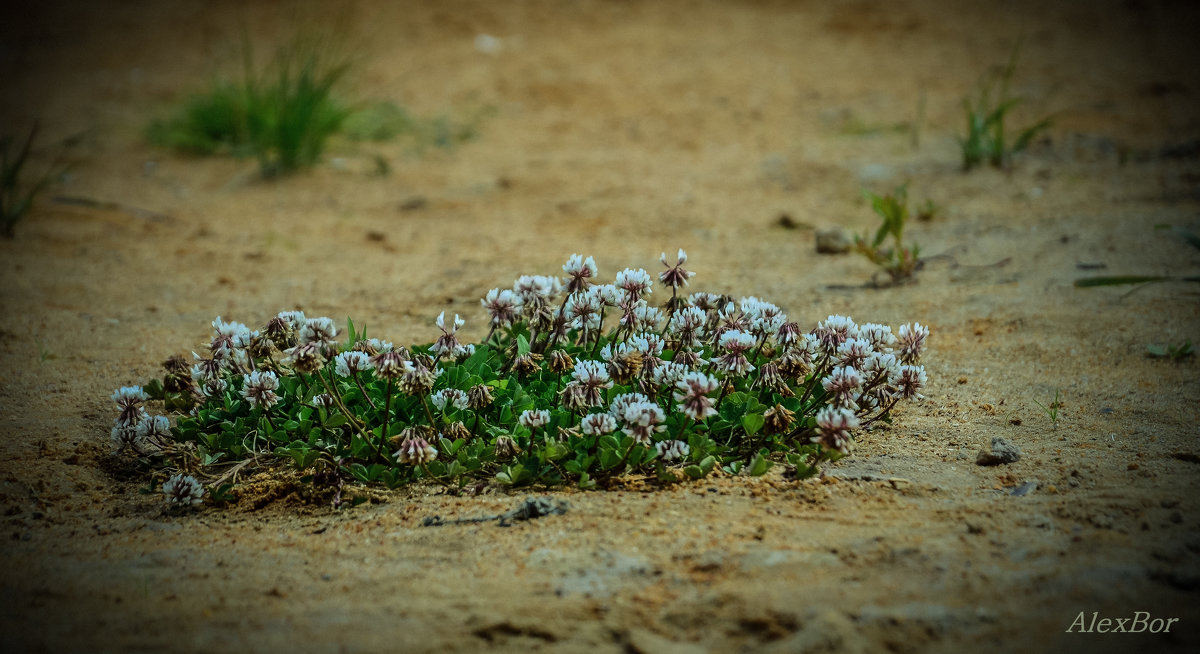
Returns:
(1003, 451)
(833, 240)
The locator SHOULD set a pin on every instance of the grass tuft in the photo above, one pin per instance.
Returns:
(987, 139)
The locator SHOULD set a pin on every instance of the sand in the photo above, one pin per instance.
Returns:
(621, 130)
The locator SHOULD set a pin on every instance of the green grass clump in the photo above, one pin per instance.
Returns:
(16, 197)
(987, 135)
(900, 262)
(283, 115)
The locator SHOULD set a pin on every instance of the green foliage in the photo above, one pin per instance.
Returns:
(282, 114)
(1051, 411)
(1171, 351)
(17, 195)
(987, 138)
(897, 260)
(500, 410)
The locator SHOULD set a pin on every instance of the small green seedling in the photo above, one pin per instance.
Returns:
(16, 197)
(1051, 411)
(898, 261)
(986, 140)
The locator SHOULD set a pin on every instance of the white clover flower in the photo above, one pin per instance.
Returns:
(582, 310)
(293, 319)
(909, 382)
(912, 341)
(415, 451)
(687, 321)
(691, 392)
(323, 401)
(734, 361)
(833, 331)
(853, 353)
(646, 318)
(763, 318)
(448, 341)
(843, 385)
(881, 366)
(675, 276)
(880, 336)
(226, 337)
(504, 306)
(672, 450)
(642, 421)
(259, 388)
(598, 424)
(610, 294)
(634, 283)
(129, 399)
(534, 418)
(152, 431)
(537, 287)
(124, 436)
(183, 491)
(668, 373)
(129, 396)
(580, 270)
(619, 403)
(451, 396)
(320, 332)
(705, 301)
(788, 334)
(463, 352)
(835, 427)
(349, 364)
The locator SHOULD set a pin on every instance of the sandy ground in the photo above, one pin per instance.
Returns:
(622, 129)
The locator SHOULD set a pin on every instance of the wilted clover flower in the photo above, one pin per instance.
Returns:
(506, 447)
(504, 306)
(843, 385)
(259, 388)
(415, 451)
(835, 427)
(770, 378)
(598, 424)
(451, 396)
(214, 388)
(642, 421)
(390, 364)
(788, 334)
(734, 361)
(527, 364)
(129, 399)
(418, 379)
(372, 346)
(152, 433)
(559, 362)
(323, 401)
(534, 418)
(463, 352)
(675, 276)
(579, 270)
(911, 342)
(448, 341)
(305, 357)
(479, 396)
(672, 450)
(778, 419)
(691, 392)
(183, 491)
